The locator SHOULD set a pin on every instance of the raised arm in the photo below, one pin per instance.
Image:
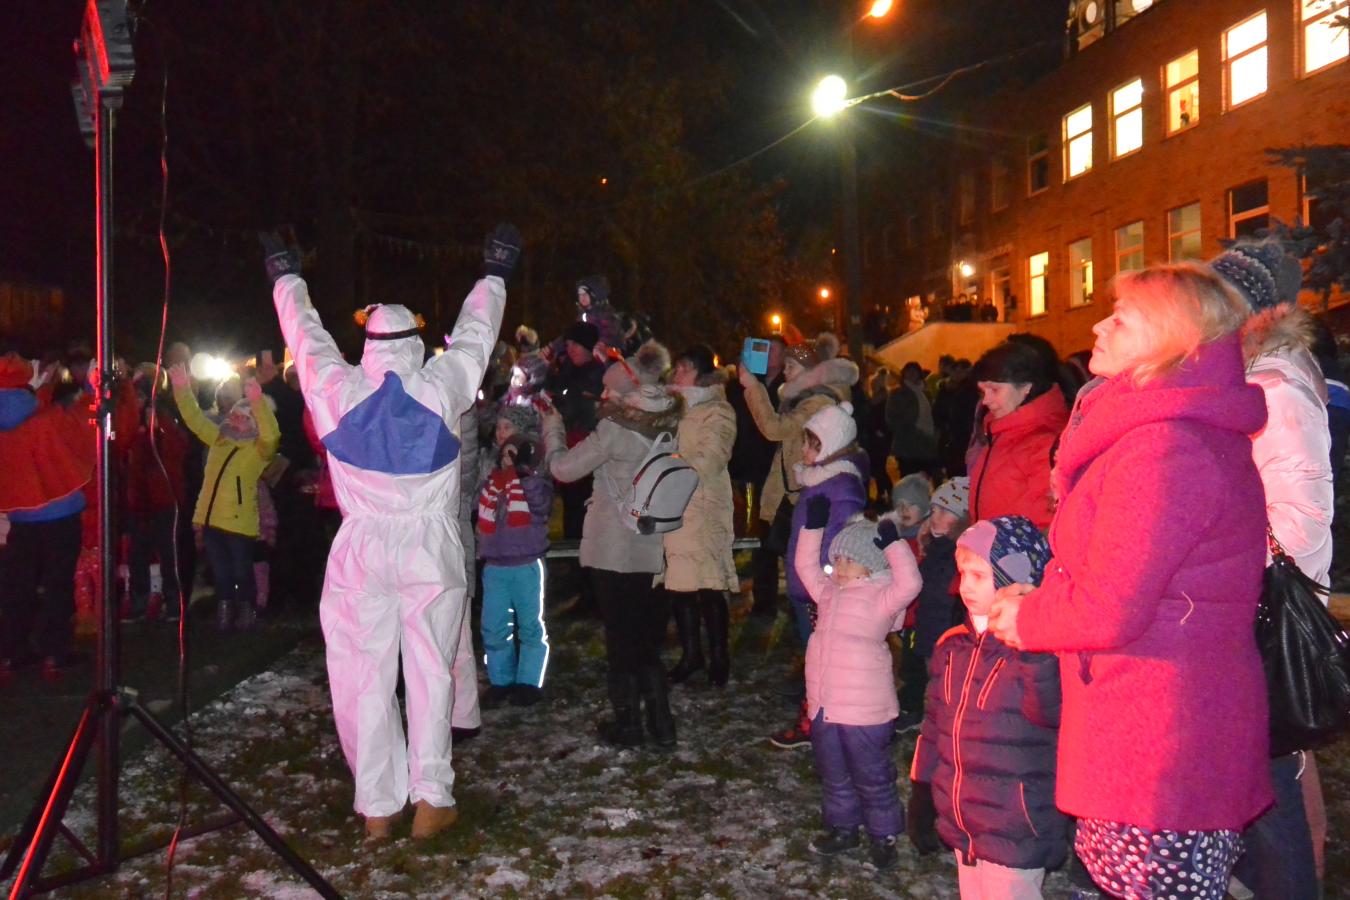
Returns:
(318, 362)
(456, 374)
(906, 582)
(193, 417)
(269, 432)
(807, 560)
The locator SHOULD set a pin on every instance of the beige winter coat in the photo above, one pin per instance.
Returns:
(698, 553)
(613, 452)
(803, 397)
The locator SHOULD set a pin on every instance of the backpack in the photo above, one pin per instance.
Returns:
(661, 488)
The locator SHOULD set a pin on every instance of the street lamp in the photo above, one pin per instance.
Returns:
(967, 270)
(824, 293)
(776, 320)
(830, 96)
(880, 8)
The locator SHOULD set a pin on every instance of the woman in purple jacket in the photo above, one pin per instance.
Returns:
(1159, 548)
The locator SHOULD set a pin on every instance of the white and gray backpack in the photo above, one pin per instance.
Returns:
(661, 488)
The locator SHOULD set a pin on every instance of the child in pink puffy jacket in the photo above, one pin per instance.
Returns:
(850, 691)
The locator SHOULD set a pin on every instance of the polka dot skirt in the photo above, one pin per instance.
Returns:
(1138, 864)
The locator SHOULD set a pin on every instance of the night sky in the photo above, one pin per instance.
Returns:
(774, 50)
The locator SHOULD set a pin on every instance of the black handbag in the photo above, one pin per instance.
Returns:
(1306, 656)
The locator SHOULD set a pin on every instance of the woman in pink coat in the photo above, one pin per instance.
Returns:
(1150, 599)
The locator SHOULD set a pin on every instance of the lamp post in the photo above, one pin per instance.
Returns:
(828, 100)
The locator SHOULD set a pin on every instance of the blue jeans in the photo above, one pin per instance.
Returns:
(231, 557)
(513, 609)
(1278, 862)
(857, 776)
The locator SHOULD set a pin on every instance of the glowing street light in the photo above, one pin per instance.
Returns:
(824, 293)
(880, 8)
(967, 270)
(830, 96)
(776, 320)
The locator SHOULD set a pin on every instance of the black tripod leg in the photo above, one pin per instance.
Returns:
(35, 843)
(232, 800)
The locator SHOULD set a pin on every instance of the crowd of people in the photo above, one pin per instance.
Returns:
(1061, 558)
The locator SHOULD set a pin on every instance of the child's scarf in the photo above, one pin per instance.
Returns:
(502, 482)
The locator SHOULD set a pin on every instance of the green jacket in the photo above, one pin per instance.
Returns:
(229, 497)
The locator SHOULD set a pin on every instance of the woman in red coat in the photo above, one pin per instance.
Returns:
(1159, 548)
(1024, 414)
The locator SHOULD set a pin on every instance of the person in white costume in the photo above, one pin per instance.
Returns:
(395, 577)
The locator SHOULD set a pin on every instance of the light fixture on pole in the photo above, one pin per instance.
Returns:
(830, 96)
(824, 293)
(880, 8)
(966, 269)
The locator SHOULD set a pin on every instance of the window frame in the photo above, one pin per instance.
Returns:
(1305, 22)
(1044, 277)
(1255, 212)
(1043, 154)
(1174, 236)
(1077, 270)
(1169, 89)
(1136, 110)
(1070, 140)
(1135, 248)
(1229, 60)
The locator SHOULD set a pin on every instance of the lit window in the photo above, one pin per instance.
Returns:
(1078, 141)
(1325, 40)
(1038, 164)
(966, 197)
(1244, 56)
(1130, 247)
(1248, 209)
(1183, 233)
(1316, 214)
(1000, 185)
(1038, 264)
(1182, 79)
(1080, 272)
(1127, 118)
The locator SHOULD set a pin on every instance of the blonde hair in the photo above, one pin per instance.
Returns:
(1186, 305)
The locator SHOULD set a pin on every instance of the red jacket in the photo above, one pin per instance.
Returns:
(1010, 476)
(1159, 548)
(147, 491)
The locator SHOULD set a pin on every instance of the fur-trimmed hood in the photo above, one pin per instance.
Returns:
(833, 377)
(848, 461)
(648, 422)
(699, 393)
(1280, 339)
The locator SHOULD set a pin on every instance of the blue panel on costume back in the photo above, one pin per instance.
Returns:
(391, 432)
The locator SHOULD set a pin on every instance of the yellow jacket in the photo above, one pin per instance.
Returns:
(229, 497)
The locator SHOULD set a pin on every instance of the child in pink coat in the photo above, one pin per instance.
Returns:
(850, 691)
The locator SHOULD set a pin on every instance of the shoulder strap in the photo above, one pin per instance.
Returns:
(215, 488)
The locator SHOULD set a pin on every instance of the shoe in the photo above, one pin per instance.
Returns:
(495, 696)
(717, 622)
(526, 695)
(835, 841)
(691, 643)
(907, 722)
(625, 729)
(429, 820)
(380, 828)
(883, 854)
(656, 704)
(464, 735)
(799, 735)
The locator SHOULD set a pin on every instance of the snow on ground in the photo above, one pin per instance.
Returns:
(546, 809)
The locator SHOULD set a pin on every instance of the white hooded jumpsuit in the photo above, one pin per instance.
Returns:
(395, 577)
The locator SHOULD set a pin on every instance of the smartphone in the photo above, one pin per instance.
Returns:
(755, 356)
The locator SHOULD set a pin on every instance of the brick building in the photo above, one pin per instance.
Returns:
(1145, 144)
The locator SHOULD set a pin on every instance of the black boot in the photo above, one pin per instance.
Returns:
(716, 618)
(691, 646)
(655, 699)
(625, 729)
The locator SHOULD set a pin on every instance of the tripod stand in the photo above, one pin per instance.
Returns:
(99, 724)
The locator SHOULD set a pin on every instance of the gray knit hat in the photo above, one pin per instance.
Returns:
(855, 541)
(915, 490)
(523, 418)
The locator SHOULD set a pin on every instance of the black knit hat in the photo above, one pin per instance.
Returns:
(1263, 273)
(583, 333)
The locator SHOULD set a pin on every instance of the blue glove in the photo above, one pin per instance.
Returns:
(887, 534)
(278, 259)
(817, 512)
(501, 251)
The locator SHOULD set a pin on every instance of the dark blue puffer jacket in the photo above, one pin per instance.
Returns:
(988, 747)
(936, 608)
